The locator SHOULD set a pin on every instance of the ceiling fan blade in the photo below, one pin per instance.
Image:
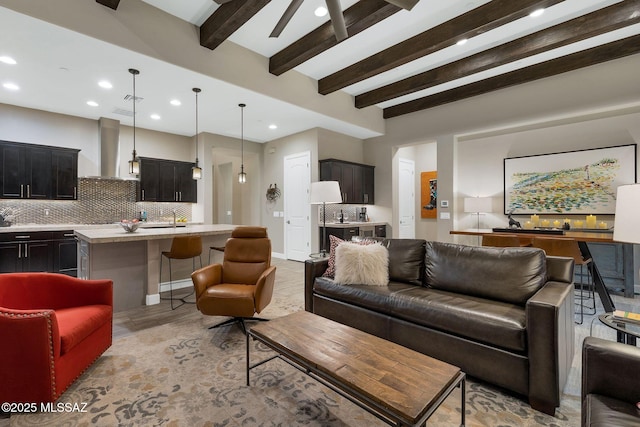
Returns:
(405, 4)
(286, 17)
(337, 19)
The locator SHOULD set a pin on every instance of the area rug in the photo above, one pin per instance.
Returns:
(183, 374)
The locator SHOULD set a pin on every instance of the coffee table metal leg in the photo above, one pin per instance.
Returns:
(247, 335)
(463, 401)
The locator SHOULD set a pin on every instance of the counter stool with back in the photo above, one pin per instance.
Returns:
(182, 247)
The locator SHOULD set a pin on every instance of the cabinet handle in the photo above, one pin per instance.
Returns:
(181, 196)
(23, 237)
(142, 194)
(21, 191)
(26, 254)
(75, 192)
(69, 235)
(28, 191)
(366, 198)
(19, 251)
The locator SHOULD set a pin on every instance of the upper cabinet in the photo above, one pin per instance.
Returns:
(38, 172)
(166, 181)
(356, 180)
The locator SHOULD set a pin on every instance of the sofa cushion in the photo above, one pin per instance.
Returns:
(491, 322)
(77, 323)
(362, 264)
(406, 260)
(511, 275)
(604, 411)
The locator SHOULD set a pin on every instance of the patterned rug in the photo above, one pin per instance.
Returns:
(183, 374)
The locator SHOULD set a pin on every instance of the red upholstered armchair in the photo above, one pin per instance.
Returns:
(52, 328)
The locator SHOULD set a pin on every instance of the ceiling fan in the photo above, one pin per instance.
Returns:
(335, 12)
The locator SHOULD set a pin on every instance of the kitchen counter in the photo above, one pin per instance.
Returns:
(132, 260)
(113, 234)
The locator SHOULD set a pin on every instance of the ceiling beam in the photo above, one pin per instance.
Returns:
(599, 22)
(575, 61)
(113, 4)
(226, 19)
(475, 22)
(358, 17)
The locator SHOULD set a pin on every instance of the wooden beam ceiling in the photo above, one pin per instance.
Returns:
(358, 17)
(477, 21)
(113, 4)
(585, 58)
(227, 19)
(599, 22)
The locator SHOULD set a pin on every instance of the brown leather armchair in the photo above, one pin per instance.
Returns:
(243, 284)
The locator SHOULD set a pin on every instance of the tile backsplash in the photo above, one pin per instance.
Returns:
(100, 201)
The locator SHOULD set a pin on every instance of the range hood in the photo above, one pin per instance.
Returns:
(109, 140)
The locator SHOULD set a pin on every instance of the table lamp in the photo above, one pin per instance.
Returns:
(626, 228)
(323, 192)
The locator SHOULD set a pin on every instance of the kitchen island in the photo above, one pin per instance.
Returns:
(132, 260)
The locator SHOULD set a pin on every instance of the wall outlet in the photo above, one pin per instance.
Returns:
(275, 214)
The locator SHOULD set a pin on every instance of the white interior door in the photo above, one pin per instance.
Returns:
(406, 199)
(297, 229)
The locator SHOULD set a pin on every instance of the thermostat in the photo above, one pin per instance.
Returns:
(444, 203)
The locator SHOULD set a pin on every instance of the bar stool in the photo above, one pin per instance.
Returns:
(182, 247)
(566, 247)
(214, 248)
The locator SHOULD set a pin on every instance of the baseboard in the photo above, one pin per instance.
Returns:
(177, 284)
(153, 299)
(278, 255)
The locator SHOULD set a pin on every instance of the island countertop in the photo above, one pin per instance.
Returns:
(114, 234)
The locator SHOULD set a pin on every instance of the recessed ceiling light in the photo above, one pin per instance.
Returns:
(92, 103)
(272, 126)
(536, 13)
(7, 60)
(320, 12)
(11, 86)
(462, 41)
(175, 102)
(155, 116)
(105, 84)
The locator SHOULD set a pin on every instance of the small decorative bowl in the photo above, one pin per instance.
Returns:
(130, 225)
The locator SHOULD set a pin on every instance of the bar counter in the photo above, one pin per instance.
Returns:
(132, 260)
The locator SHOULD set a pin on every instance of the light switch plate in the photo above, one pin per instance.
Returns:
(445, 215)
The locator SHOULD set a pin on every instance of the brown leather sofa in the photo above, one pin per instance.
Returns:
(610, 388)
(503, 315)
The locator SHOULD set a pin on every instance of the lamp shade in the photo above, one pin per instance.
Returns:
(627, 226)
(477, 204)
(325, 192)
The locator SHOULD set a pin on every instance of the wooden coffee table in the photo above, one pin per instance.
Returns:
(398, 385)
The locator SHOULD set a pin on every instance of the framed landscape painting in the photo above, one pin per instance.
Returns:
(574, 182)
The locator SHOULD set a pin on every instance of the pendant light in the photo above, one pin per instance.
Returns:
(196, 171)
(134, 163)
(242, 177)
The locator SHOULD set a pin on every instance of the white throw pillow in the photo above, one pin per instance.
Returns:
(362, 265)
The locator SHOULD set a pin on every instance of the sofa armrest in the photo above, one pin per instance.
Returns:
(560, 269)
(312, 268)
(610, 369)
(31, 348)
(550, 340)
(206, 276)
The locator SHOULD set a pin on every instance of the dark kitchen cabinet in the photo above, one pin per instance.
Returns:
(65, 253)
(37, 172)
(25, 252)
(344, 233)
(166, 181)
(356, 180)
